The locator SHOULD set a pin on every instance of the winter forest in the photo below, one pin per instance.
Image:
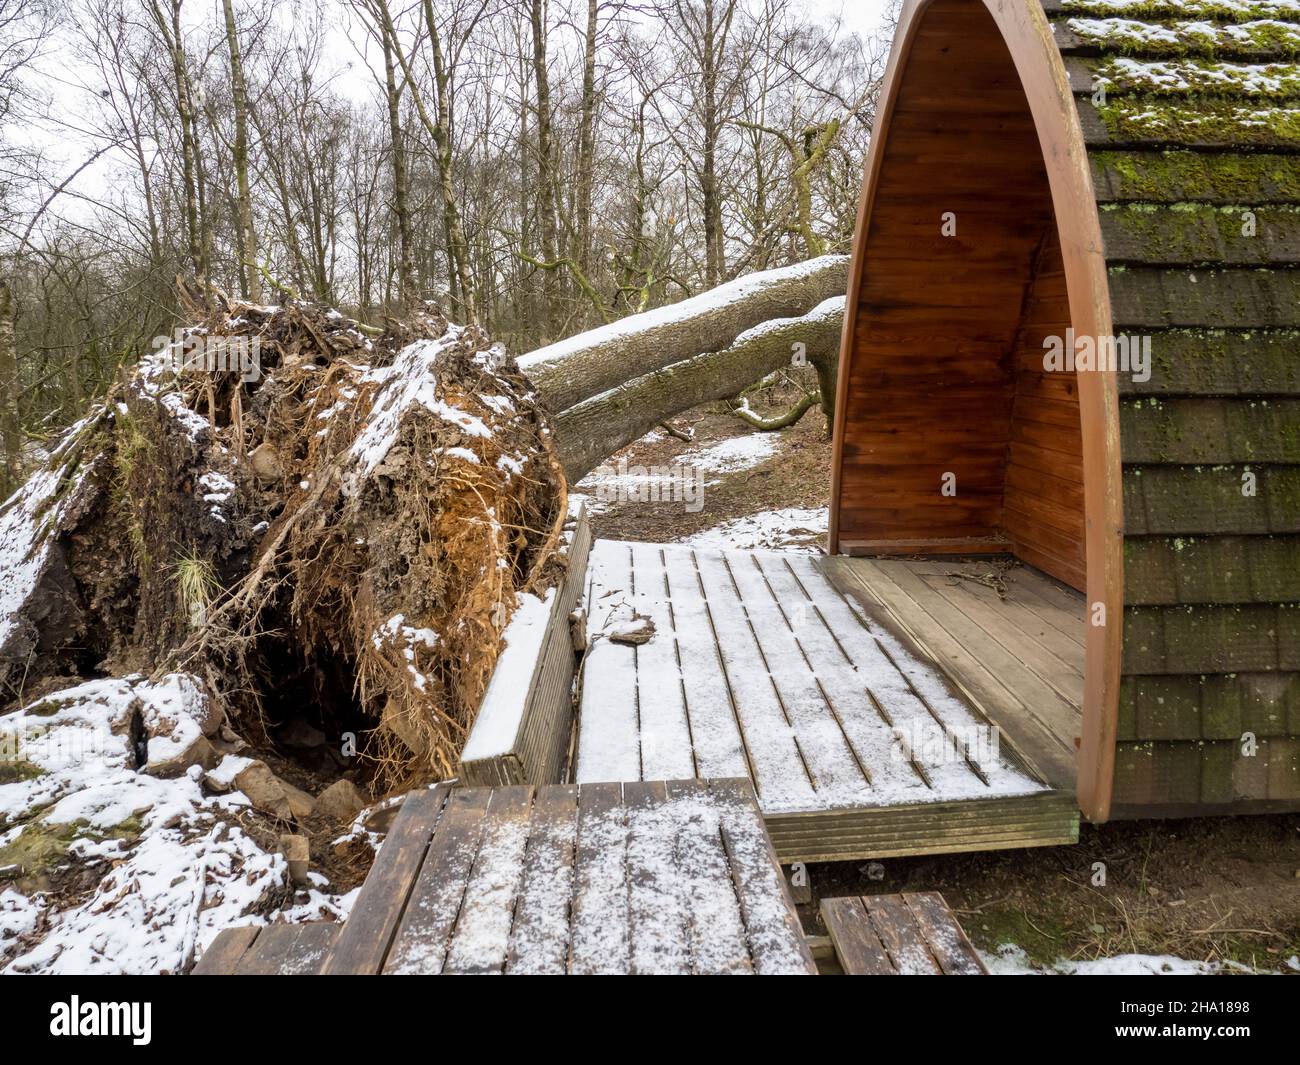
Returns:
(536, 167)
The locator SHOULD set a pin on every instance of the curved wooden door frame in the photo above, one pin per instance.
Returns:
(1028, 36)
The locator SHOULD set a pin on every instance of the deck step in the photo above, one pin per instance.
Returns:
(269, 950)
(912, 934)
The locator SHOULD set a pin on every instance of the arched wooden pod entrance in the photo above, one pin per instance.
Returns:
(978, 236)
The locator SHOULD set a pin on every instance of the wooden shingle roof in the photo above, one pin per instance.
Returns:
(1190, 111)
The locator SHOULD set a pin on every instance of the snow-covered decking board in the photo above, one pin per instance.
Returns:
(606, 878)
(759, 667)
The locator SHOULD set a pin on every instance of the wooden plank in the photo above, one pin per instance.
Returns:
(857, 946)
(1053, 658)
(224, 952)
(715, 927)
(289, 949)
(838, 650)
(536, 754)
(362, 945)
(776, 938)
(600, 899)
(1223, 178)
(919, 701)
(944, 936)
(842, 778)
(659, 926)
(480, 941)
(1155, 298)
(609, 730)
(315, 939)
(667, 752)
(717, 742)
(893, 922)
(270, 952)
(539, 941)
(781, 772)
(424, 937)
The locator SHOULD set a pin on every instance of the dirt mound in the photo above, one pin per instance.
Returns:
(326, 521)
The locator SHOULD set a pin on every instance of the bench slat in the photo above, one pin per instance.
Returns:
(857, 946)
(362, 945)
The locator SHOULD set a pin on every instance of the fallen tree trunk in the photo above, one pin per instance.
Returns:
(603, 359)
(593, 429)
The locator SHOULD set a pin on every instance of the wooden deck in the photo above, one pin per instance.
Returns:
(1018, 657)
(760, 667)
(675, 877)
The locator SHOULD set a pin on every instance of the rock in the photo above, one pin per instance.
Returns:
(297, 853)
(638, 629)
(173, 763)
(270, 794)
(221, 780)
(168, 723)
(266, 464)
(341, 801)
(301, 803)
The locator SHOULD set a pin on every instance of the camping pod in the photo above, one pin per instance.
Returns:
(1072, 338)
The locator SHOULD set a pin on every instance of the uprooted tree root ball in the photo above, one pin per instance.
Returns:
(326, 522)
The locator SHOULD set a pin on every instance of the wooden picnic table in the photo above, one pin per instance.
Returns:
(645, 877)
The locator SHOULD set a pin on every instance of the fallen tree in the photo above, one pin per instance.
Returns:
(595, 428)
(573, 370)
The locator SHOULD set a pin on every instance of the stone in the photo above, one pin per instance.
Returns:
(341, 801)
(271, 795)
(174, 763)
(266, 464)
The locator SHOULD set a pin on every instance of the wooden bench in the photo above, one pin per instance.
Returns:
(911, 934)
(654, 877)
(521, 733)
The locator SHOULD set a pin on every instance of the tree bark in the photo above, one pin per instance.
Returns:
(587, 143)
(573, 370)
(10, 422)
(406, 286)
(249, 280)
(545, 171)
(594, 429)
(196, 228)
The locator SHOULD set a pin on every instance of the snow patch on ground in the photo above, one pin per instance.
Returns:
(738, 453)
(791, 528)
(174, 869)
(1010, 960)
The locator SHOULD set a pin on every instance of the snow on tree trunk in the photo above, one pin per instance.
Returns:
(571, 371)
(593, 429)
